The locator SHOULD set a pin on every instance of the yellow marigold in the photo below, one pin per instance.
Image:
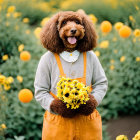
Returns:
(10, 79)
(25, 20)
(112, 67)
(25, 56)
(44, 21)
(2, 79)
(136, 32)
(20, 78)
(7, 86)
(5, 57)
(125, 31)
(122, 59)
(118, 25)
(25, 95)
(20, 47)
(3, 126)
(37, 32)
(16, 14)
(97, 53)
(106, 26)
(122, 137)
(137, 58)
(104, 44)
(93, 18)
(11, 9)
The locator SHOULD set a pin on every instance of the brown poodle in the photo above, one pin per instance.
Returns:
(69, 31)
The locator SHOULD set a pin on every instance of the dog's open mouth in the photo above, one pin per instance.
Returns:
(72, 40)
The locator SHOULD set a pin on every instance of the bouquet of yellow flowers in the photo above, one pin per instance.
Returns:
(72, 92)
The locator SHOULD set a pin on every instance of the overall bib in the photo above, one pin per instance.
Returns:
(80, 127)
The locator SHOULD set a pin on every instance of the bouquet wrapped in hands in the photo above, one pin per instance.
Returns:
(73, 98)
(72, 92)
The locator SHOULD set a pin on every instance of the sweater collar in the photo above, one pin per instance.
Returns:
(70, 56)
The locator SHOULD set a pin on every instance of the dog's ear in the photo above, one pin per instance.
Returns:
(49, 35)
(90, 39)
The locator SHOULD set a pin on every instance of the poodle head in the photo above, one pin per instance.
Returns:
(69, 31)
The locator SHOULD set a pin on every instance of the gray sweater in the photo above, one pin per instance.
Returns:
(47, 76)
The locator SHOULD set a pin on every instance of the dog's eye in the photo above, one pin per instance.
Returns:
(64, 22)
(77, 22)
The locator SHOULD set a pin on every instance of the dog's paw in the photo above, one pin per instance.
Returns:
(88, 108)
(60, 108)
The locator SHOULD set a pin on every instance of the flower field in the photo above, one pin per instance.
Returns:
(118, 50)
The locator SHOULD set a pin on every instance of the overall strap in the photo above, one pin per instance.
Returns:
(59, 65)
(85, 67)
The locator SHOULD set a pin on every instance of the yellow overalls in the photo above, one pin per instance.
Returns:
(80, 127)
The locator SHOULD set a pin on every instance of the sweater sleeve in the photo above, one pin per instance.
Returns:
(42, 83)
(99, 80)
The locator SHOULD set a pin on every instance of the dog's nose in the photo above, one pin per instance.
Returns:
(73, 31)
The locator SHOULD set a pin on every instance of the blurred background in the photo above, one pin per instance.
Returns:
(117, 24)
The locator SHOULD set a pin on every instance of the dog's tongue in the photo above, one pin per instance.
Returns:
(72, 40)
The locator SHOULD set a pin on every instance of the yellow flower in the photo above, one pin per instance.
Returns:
(122, 137)
(2, 79)
(16, 14)
(37, 32)
(10, 79)
(122, 59)
(136, 32)
(1, 1)
(27, 31)
(44, 21)
(137, 58)
(97, 53)
(112, 67)
(7, 86)
(112, 61)
(93, 18)
(25, 20)
(3, 126)
(131, 18)
(11, 9)
(137, 8)
(137, 136)
(118, 25)
(20, 78)
(5, 57)
(20, 47)
(104, 44)
(66, 90)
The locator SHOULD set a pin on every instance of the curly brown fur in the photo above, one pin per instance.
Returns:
(57, 30)
(88, 108)
(59, 107)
